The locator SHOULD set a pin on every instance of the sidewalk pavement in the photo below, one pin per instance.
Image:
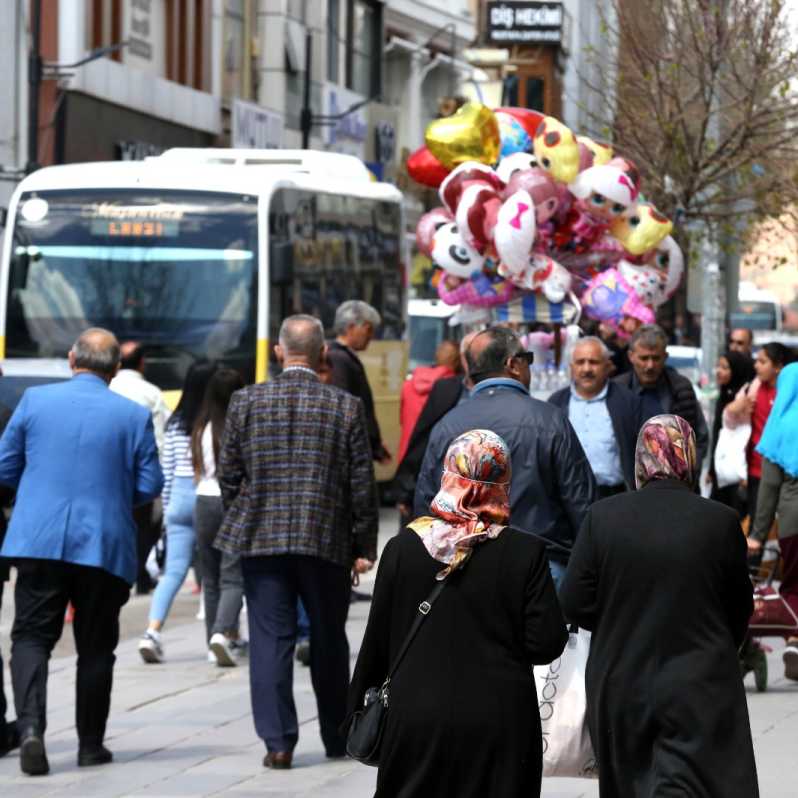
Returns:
(184, 728)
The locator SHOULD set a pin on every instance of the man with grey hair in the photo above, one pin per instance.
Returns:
(297, 481)
(606, 416)
(662, 389)
(80, 457)
(552, 485)
(354, 327)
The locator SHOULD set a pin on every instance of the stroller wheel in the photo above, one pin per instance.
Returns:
(760, 671)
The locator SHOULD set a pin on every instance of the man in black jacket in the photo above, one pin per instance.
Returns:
(354, 327)
(660, 388)
(606, 416)
(552, 484)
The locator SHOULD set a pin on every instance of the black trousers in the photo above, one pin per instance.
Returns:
(148, 529)
(272, 586)
(43, 590)
(3, 704)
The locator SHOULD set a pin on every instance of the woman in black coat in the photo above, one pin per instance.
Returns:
(463, 714)
(659, 577)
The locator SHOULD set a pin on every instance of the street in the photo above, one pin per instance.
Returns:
(184, 728)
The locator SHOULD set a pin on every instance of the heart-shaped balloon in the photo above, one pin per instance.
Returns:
(425, 168)
(471, 134)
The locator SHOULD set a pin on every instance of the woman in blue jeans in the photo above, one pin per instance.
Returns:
(178, 500)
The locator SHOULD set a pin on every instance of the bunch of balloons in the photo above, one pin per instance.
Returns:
(533, 215)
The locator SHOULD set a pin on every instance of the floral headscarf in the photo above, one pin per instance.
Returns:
(473, 504)
(665, 450)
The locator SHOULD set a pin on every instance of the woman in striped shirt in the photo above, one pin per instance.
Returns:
(178, 501)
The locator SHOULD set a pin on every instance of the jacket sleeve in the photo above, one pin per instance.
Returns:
(231, 471)
(579, 589)
(739, 599)
(429, 478)
(149, 477)
(363, 489)
(12, 446)
(373, 659)
(577, 485)
(545, 633)
(767, 499)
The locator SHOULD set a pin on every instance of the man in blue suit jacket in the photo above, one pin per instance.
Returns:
(80, 458)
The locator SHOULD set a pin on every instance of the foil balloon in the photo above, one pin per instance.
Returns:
(517, 162)
(470, 134)
(544, 275)
(544, 191)
(480, 291)
(641, 228)
(514, 138)
(608, 297)
(601, 152)
(427, 226)
(529, 120)
(425, 168)
(465, 175)
(514, 233)
(656, 279)
(476, 215)
(557, 150)
(451, 252)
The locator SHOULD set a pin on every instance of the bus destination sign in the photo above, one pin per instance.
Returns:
(525, 22)
(112, 227)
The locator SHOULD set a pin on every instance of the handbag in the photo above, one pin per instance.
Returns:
(731, 467)
(567, 749)
(368, 724)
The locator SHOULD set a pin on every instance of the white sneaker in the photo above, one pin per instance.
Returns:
(212, 658)
(223, 650)
(150, 647)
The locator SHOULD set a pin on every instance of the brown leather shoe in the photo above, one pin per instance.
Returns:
(278, 760)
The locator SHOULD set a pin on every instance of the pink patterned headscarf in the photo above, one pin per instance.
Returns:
(665, 450)
(473, 504)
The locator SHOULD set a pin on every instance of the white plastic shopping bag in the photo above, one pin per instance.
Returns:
(567, 750)
(730, 463)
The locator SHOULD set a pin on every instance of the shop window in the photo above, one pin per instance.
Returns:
(233, 77)
(333, 40)
(364, 47)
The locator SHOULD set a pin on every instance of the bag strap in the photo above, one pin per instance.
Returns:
(423, 611)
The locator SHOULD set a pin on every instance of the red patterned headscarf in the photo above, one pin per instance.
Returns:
(665, 450)
(473, 504)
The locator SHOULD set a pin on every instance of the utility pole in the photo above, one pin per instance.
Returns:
(306, 115)
(34, 82)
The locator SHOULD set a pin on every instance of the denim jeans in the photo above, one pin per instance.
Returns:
(179, 516)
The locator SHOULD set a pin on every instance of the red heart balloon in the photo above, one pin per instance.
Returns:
(425, 168)
(529, 120)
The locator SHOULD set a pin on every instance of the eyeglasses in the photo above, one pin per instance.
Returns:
(529, 357)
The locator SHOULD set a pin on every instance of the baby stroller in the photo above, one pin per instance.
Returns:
(772, 617)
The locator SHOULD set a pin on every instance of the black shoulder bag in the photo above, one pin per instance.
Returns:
(364, 737)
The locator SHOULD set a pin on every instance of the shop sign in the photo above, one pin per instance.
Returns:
(347, 134)
(524, 22)
(143, 28)
(136, 150)
(254, 126)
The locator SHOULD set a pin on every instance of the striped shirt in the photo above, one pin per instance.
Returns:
(175, 458)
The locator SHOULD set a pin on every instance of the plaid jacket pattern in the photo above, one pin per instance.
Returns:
(296, 472)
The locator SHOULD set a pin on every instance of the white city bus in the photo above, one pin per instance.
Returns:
(201, 254)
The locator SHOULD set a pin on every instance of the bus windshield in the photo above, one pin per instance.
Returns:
(175, 270)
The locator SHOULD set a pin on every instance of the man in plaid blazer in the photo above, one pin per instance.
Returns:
(297, 481)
